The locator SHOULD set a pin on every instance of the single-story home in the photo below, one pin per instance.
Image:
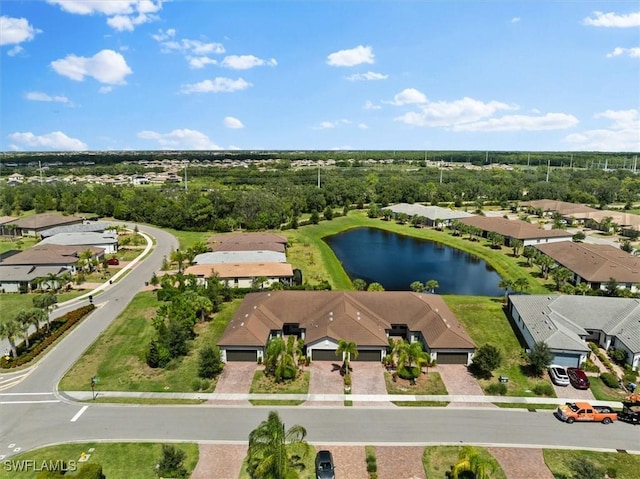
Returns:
(566, 322)
(228, 246)
(244, 238)
(52, 255)
(595, 264)
(33, 225)
(564, 208)
(5, 229)
(88, 227)
(222, 257)
(107, 240)
(322, 318)
(23, 279)
(242, 275)
(431, 214)
(528, 233)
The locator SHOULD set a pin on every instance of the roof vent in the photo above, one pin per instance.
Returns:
(242, 323)
(246, 315)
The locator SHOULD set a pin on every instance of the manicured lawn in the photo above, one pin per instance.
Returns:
(626, 466)
(262, 384)
(427, 384)
(486, 323)
(437, 460)
(118, 355)
(128, 254)
(11, 303)
(18, 243)
(514, 405)
(189, 238)
(118, 460)
(603, 392)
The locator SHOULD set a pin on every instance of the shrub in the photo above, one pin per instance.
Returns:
(347, 380)
(486, 359)
(618, 356)
(90, 471)
(630, 375)
(209, 364)
(544, 389)
(409, 373)
(609, 379)
(372, 465)
(497, 389)
(171, 462)
(588, 366)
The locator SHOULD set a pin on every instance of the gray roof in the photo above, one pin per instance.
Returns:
(27, 273)
(560, 320)
(92, 226)
(79, 238)
(431, 212)
(221, 257)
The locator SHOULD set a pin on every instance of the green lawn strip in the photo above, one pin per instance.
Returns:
(602, 392)
(308, 460)
(420, 403)
(519, 405)
(187, 239)
(17, 243)
(118, 460)
(263, 384)
(149, 401)
(11, 304)
(118, 356)
(428, 384)
(437, 460)
(275, 402)
(128, 254)
(626, 466)
(486, 322)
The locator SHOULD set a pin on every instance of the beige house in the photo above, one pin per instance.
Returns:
(242, 275)
(528, 233)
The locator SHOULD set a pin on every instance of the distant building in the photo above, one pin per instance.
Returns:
(34, 225)
(431, 214)
(107, 240)
(242, 275)
(528, 233)
(52, 255)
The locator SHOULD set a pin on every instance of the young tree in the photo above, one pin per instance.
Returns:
(171, 464)
(486, 359)
(270, 453)
(578, 237)
(347, 349)
(582, 288)
(314, 219)
(470, 461)
(530, 253)
(359, 284)
(626, 246)
(11, 330)
(47, 303)
(516, 244)
(408, 354)
(209, 362)
(540, 358)
(521, 284)
(432, 285)
(561, 275)
(375, 287)
(505, 284)
(417, 287)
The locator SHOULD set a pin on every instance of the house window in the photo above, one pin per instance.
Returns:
(235, 281)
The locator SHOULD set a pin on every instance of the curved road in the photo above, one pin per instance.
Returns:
(32, 414)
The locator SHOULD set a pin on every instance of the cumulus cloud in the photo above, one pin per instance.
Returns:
(182, 139)
(550, 121)
(196, 52)
(14, 31)
(122, 15)
(515, 20)
(612, 19)
(367, 76)
(363, 126)
(200, 62)
(40, 96)
(244, 62)
(619, 51)
(408, 96)
(622, 134)
(369, 105)
(326, 125)
(233, 123)
(55, 140)
(105, 66)
(217, 85)
(351, 57)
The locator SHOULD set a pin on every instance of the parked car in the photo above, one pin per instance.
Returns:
(578, 378)
(324, 465)
(113, 261)
(558, 375)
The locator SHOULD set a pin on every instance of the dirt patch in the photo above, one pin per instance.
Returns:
(402, 462)
(526, 463)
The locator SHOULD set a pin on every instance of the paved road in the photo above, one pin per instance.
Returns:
(33, 414)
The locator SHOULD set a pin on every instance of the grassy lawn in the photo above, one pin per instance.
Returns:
(603, 392)
(308, 460)
(437, 460)
(18, 243)
(262, 384)
(130, 460)
(128, 254)
(309, 253)
(427, 384)
(11, 303)
(117, 357)
(626, 466)
(516, 405)
(486, 322)
(189, 238)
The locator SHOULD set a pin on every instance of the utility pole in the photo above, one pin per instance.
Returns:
(185, 179)
(635, 163)
(318, 175)
(548, 169)
(440, 171)
(528, 159)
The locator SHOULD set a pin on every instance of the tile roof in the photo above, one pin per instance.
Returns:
(82, 238)
(221, 257)
(248, 238)
(50, 254)
(7, 219)
(242, 270)
(230, 246)
(27, 273)
(563, 207)
(513, 228)
(45, 220)
(594, 262)
(360, 316)
(431, 212)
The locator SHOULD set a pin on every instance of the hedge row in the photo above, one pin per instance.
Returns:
(66, 322)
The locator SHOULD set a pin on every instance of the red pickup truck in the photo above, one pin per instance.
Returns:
(583, 411)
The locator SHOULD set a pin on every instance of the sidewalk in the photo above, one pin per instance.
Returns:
(218, 398)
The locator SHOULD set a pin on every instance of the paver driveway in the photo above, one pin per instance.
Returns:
(368, 378)
(521, 463)
(236, 377)
(324, 379)
(350, 461)
(460, 382)
(401, 462)
(220, 461)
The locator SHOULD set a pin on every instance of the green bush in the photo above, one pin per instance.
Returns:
(171, 463)
(588, 366)
(618, 356)
(409, 373)
(609, 379)
(90, 471)
(209, 363)
(544, 389)
(630, 375)
(497, 389)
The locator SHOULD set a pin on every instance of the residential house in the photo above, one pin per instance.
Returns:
(52, 255)
(221, 257)
(433, 215)
(88, 227)
(243, 275)
(248, 238)
(107, 240)
(23, 279)
(34, 225)
(528, 233)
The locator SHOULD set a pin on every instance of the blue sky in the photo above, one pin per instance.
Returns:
(297, 74)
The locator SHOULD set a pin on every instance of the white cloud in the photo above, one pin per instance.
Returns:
(550, 121)
(611, 19)
(183, 139)
(408, 96)
(51, 141)
(244, 62)
(122, 15)
(16, 30)
(363, 126)
(326, 125)
(217, 85)
(200, 62)
(631, 52)
(231, 122)
(105, 66)
(105, 89)
(367, 76)
(369, 105)
(196, 52)
(15, 50)
(450, 114)
(351, 57)
(622, 134)
(515, 20)
(40, 96)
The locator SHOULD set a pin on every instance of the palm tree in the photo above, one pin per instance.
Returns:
(275, 347)
(11, 329)
(506, 284)
(27, 318)
(521, 284)
(545, 263)
(347, 349)
(530, 253)
(47, 303)
(471, 461)
(270, 454)
(417, 287)
(516, 244)
(582, 288)
(53, 281)
(359, 284)
(432, 285)
(280, 358)
(409, 353)
(179, 257)
(85, 259)
(561, 275)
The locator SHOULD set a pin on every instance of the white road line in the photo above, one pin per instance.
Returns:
(28, 402)
(79, 413)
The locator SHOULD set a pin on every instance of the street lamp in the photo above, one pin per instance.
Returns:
(94, 380)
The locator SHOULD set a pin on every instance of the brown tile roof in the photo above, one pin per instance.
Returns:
(50, 254)
(241, 270)
(360, 316)
(45, 220)
(7, 219)
(594, 262)
(229, 246)
(563, 207)
(248, 238)
(513, 228)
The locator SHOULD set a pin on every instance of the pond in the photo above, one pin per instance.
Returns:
(395, 261)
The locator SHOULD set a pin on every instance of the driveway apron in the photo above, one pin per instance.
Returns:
(521, 462)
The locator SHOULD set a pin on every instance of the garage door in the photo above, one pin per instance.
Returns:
(368, 355)
(452, 358)
(325, 355)
(242, 355)
(566, 360)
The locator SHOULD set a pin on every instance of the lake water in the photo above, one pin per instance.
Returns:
(395, 261)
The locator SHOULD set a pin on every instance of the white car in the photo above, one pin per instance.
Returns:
(558, 375)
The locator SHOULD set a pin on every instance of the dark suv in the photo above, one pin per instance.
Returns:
(578, 378)
(324, 465)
